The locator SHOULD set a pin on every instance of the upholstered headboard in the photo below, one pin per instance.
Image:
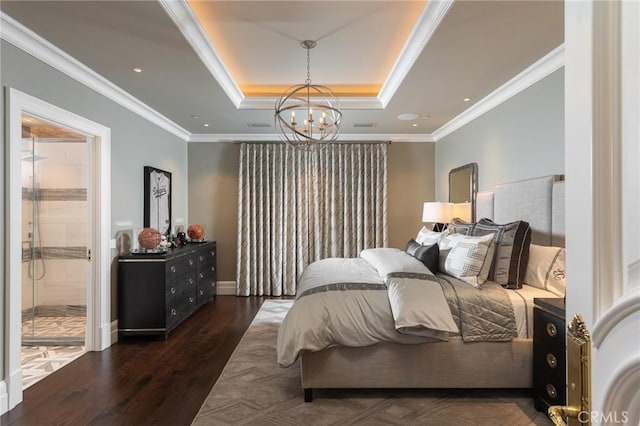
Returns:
(539, 201)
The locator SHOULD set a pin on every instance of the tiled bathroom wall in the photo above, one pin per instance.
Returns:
(58, 227)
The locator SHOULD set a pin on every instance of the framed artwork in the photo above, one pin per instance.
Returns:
(157, 199)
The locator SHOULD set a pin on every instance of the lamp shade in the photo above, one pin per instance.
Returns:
(462, 211)
(437, 212)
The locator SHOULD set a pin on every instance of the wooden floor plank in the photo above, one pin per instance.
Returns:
(142, 381)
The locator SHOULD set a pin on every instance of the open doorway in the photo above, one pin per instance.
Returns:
(55, 245)
(34, 255)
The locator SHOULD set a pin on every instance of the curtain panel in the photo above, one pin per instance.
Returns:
(296, 207)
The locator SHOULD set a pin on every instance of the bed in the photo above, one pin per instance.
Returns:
(382, 354)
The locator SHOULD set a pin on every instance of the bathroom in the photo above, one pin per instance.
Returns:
(55, 241)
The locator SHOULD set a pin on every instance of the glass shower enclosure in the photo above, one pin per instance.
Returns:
(54, 234)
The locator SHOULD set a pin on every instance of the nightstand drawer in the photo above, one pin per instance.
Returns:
(549, 353)
(548, 327)
(549, 362)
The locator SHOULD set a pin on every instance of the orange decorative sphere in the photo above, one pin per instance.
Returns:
(195, 231)
(149, 238)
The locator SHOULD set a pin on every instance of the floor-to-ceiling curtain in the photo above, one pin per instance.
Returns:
(295, 207)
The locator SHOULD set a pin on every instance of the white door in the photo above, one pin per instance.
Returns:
(602, 151)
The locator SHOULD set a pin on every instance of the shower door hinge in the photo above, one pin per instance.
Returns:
(89, 255)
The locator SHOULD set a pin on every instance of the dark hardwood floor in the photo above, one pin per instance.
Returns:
(142, 381)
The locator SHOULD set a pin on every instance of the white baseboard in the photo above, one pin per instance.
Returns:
(114, 331)
(4, 398)
(226, 288)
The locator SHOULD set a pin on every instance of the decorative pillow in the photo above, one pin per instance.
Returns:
(511, 253)
(427, 254)
(459, 226)
(546, 269)
(467, 258)
(426, 237)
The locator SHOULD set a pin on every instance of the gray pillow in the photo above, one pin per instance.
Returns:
(512, 250)
(428, 255)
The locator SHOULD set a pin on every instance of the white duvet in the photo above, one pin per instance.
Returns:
(346, 302)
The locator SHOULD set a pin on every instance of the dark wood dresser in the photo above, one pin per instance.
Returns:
(156, 292)
(549, 353)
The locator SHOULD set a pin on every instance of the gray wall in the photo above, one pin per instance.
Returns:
(213, 199)
(135, 142)
(213, 194)
(519, 139)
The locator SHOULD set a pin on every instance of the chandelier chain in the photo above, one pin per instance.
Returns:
(308, 66)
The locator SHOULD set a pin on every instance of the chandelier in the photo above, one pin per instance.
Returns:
(318, 112)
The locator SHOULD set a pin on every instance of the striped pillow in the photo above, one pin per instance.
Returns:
(467, 258)
(511, 253)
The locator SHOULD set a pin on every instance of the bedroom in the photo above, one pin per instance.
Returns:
(154, 145)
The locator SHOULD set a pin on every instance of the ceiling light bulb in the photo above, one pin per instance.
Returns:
(205, 125)
(466, 99)
(136, 69)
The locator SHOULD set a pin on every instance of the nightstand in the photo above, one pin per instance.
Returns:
(549, 353)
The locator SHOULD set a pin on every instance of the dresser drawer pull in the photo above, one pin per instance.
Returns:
(173, 290)
(173, 312)
(190, 280)
(191, 299)
(213, 269)
(213, 254)
(213, 283)
(173, 269)
(201, 258)
(551, 391)
(190, 262)
(552, 361)
(201, 275)
(201, 292)
(551, 329)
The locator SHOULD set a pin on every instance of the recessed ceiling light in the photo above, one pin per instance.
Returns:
(466, 99)
(415, 124)
(408, 116)
(137, 69)
(205, 125)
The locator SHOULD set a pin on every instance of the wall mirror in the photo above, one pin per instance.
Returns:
(463, 186)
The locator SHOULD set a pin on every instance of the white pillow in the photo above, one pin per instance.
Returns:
(467, 258)
(426, 237)
(546, 269)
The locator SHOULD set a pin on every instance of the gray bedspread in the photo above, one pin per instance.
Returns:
(387, 295)
(481, 315)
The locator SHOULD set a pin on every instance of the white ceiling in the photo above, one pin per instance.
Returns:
(477, 46)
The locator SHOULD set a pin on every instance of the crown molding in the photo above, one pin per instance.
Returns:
(184, 18)
(429, 20)
(28, 41)
(546, 65)
(182, 15)
(344, 137)
(345, 103)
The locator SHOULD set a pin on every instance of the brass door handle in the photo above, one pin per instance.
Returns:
(557, 413)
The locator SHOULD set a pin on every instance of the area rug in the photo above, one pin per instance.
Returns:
(253, 390)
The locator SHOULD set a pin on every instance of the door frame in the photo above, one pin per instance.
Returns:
(98, 333)
(602, 111)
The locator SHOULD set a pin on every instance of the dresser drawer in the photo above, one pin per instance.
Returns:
(206, 272)
(549, 328)
(207, 257)
(180, 266)
(206, 289)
